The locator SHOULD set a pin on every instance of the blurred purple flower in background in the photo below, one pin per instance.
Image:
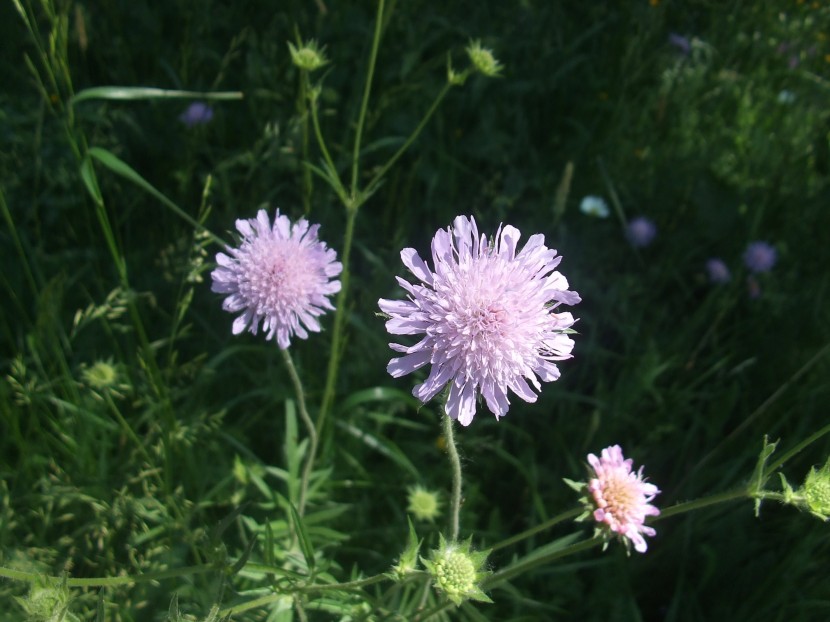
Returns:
(197, 113)
(760, 257)
(717, 270)
(681, 43)
(641, 231)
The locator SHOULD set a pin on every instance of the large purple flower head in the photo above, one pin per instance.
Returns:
(488, 318)
(279, 275)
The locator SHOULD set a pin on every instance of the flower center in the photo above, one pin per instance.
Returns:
(278, 277)
(456, 573)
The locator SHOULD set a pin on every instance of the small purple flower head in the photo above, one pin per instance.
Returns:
(717, 270)
(279, 275)
(681, 43)
(197, 113)
(793, 61)
(641, 231)
(488, 318)
(621, 498)
(760, 257)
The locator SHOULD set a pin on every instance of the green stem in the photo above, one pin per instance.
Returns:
(333, 179)
(328, 587)
(302, 108)
(455, 463)
(688, 506)
(367, 89)
(309, 424)
(31, 577)
(523, 565)
(339, 322)
(795, 450)
(568, 515)
(412, 137)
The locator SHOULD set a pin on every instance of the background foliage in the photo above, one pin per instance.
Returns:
(687, 376)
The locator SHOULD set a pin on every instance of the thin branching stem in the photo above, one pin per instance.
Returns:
(364, 105)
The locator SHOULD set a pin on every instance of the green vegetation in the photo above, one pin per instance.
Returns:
(153, 466)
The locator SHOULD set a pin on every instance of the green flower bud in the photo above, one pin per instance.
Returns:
(483, 60)
(102, 375)
(457, 571)
(423, 504)
(48, 602)
(308, 57)
(816, 491)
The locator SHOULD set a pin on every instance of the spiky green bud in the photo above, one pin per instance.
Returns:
(483, 60)
(816, 491)
(423, 504)
(457, 571)
(308, 56)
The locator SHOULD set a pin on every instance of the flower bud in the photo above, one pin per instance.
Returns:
(457, 571)
(483, 60)
(816, 491)
(423, 504)
(308, 56)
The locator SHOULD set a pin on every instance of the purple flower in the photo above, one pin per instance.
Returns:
(681, 43)
(621, 498)
(793, 61)
(487, 316)
(641, 231)
(197, 113)
(718, 272)
(279, 275)
(760, 257)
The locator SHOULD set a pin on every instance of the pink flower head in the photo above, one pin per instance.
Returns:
(279, 275)
(487, 316)
(621, 497)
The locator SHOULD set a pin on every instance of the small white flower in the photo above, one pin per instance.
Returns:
(594, 206)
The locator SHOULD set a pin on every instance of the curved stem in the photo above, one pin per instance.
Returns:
(334, 179)
(455, 463)
(366, 92)
(309, 424)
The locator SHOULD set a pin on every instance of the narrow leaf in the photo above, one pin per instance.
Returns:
(133, 93)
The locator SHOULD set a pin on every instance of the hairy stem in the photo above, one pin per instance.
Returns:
(455, 463)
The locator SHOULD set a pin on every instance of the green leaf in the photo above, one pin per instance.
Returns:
(134, 93)
(173, 614)
(122, 169)
(383, 446)
(302, 536)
